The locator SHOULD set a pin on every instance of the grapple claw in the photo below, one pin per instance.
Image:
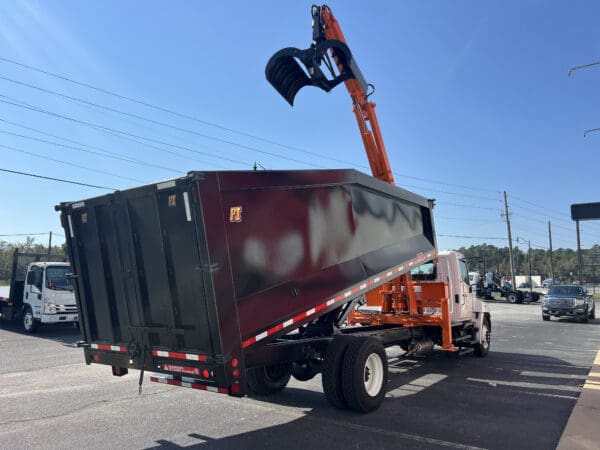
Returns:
(285, 74)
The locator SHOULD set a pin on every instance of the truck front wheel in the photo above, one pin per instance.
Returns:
(483, 348)
(30, 325)
(365, 374)
(331, 372)
(267, 380)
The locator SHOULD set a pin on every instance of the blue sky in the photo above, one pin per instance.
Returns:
(473, 99)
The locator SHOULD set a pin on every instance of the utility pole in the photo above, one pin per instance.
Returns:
(50, 243)
(529, 264)
(579, 262)
(510, 249)
(551, 262)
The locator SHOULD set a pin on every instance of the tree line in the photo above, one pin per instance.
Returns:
(7, 250)
(487, 257)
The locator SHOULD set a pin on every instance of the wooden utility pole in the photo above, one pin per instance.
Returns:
(510, 247)
(551, 261)
(50, 244)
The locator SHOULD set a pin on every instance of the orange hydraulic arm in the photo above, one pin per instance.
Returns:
(363, 109)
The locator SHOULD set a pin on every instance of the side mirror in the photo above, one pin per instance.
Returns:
(470, 289)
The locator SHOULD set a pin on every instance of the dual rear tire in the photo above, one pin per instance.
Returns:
(355, 373)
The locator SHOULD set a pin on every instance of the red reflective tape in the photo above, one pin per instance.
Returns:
(320, 307)
(248, 342)
(275, 329)
(299, 317)
(179, 355)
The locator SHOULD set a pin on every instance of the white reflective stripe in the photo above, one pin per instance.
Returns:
(186, 202)
(261, 336)
(310, 312)
(389, 274)
(165, 185)
(189, 380)
(192, 357)
(115, 348)
(187, 385)
(162, 353)
(94, 346)
(70, 225)
(330, 302)
(347, 294)
(411, 263)
(78, 205)
(287, 323)
(376, 279)
(212, 389)
(363, 286)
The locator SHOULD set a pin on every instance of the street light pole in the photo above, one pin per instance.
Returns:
(529, 264)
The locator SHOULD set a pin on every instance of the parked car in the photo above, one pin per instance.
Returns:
(568, 301)
(550, 282)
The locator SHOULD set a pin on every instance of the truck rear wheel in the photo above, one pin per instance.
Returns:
(512, 298)
(267, 380)
(30, 325)
(331, 373)
(364, 374)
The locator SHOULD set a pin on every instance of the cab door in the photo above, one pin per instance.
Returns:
(32, 294)
(466, 300)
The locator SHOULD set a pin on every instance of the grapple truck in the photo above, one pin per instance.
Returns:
(235, 281)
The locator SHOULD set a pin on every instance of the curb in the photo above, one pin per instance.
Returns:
(582, 430)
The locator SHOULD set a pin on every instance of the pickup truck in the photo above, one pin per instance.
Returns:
(568, 301)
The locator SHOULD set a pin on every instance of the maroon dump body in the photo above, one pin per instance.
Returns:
(218, 264)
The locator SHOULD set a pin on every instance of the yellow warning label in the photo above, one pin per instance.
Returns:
(172, 201)
(235, 214)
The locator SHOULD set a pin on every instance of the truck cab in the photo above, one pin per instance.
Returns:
(48, 295)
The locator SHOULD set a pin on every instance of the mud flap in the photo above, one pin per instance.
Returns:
(324, 65)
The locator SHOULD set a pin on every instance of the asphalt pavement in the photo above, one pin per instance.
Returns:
(520, 396)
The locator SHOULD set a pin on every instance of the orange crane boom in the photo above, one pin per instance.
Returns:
(329, 50)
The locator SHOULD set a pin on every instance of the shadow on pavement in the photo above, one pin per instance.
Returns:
(507, 400)
(67, 334)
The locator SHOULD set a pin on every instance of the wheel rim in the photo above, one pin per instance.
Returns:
(485, 341)
(28, 320)
(373, 374)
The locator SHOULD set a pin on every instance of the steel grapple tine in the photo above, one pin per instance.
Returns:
(285, 74)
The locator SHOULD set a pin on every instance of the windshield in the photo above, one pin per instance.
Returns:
(565, 290)
(425, 271)
(56, 278)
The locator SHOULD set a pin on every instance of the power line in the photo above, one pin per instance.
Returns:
(473, 237)
(195, 119)
(111, 130)
(57, 179)
(32, 234)
(155, 122)
(26, 152)
(109, 155)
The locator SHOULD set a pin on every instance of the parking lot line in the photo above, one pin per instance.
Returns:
(416, 385)
(529, 373)
(521, 384)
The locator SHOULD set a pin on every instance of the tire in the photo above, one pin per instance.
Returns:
(267, 380)
(331, 373)
(545, 317)
(585, 317)
(483, 348)
(364, 374)
(30, 325)
(304, 370)
(512, 298)
(593, 313)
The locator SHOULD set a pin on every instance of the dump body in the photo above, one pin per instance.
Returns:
(215, 265)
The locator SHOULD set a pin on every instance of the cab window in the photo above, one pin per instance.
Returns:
(464, 271)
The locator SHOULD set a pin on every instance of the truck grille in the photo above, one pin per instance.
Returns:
(66, 309)
(561, 302)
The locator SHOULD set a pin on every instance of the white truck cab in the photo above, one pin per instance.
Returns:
(48, 295)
